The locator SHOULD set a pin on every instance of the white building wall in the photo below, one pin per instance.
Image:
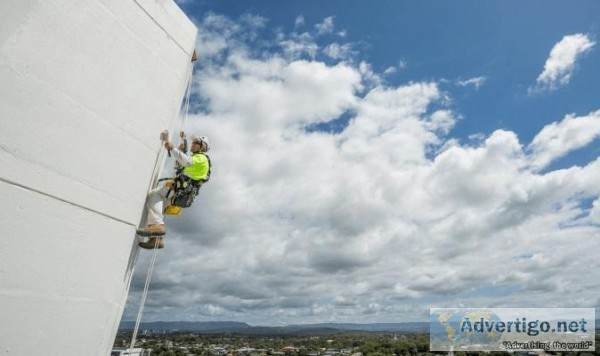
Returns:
(85, 89)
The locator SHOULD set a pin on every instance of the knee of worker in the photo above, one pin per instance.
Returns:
(158, 194)
(155, 199)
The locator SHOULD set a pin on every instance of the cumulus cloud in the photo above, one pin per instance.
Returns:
(377, 221)
(561, 63)
(559, 138)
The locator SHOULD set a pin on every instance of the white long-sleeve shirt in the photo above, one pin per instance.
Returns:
(181, 157)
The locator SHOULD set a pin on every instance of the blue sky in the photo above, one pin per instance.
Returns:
(505, 41)
(373, 160)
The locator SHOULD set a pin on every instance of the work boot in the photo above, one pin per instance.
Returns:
(153, 242)
(152, 230)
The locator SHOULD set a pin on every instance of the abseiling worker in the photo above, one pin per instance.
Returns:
(196, 167)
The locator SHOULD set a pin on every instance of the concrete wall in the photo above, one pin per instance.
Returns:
(85, 89)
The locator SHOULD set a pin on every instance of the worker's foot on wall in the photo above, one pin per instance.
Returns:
(153, 242)
(152, 230)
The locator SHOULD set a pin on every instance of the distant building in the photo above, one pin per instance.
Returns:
(245, 350)
(217, 350)
(123, 351)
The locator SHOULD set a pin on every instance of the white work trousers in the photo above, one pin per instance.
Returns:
(157, 198)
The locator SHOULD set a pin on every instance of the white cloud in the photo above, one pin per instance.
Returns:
(442, 120)
(393, 69)
(595, 212)
(326, 26)
(299, 225)
(278, 94)
(220, 33)
(369, 76)
(559, 138)
(339, 52)
(299, 22)
(307, 44)
(477, 82)
(561, 63)
(299, 45)
(390, 70)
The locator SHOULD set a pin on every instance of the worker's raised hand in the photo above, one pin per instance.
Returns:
(168, 145)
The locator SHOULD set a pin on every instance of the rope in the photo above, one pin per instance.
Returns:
(144, 295)
(188, 93)
(150, 272)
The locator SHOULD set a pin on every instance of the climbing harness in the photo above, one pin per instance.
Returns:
(183, 189)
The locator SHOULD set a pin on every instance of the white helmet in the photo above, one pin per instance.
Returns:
(203, 141)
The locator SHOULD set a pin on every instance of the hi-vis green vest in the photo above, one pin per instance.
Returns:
(200, 167)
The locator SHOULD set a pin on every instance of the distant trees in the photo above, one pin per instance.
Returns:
(380, 345)
(369, 344)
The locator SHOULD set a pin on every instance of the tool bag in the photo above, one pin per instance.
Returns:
(185, 190)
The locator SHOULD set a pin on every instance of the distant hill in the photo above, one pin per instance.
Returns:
(206, 326)
(415, 326)
(243, 328)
